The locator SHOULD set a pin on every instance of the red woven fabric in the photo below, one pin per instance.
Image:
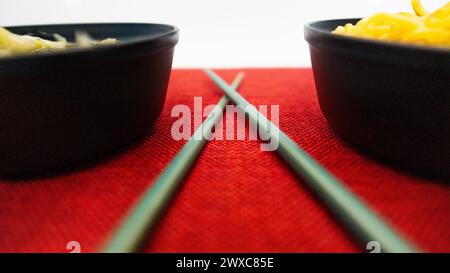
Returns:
(236, 198)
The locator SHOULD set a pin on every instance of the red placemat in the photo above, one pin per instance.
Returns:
(237, 198)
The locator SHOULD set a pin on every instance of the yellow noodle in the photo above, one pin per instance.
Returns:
(421, 27)
(14, 44)
(418, 8)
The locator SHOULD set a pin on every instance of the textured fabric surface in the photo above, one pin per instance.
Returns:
(236, 198)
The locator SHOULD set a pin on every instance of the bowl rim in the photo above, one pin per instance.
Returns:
(172, 35)
(312, 26)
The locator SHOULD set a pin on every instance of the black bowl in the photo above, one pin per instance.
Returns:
(62, 108)
(390, 99)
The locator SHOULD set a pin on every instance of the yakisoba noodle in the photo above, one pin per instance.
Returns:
(14, 44)
(420, 27)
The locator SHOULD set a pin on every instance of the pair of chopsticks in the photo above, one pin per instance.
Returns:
(352, 212)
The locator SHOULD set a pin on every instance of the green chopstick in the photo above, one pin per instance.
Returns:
(143, 217)
(357, 217)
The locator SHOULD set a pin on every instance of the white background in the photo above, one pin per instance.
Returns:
(214, 33)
